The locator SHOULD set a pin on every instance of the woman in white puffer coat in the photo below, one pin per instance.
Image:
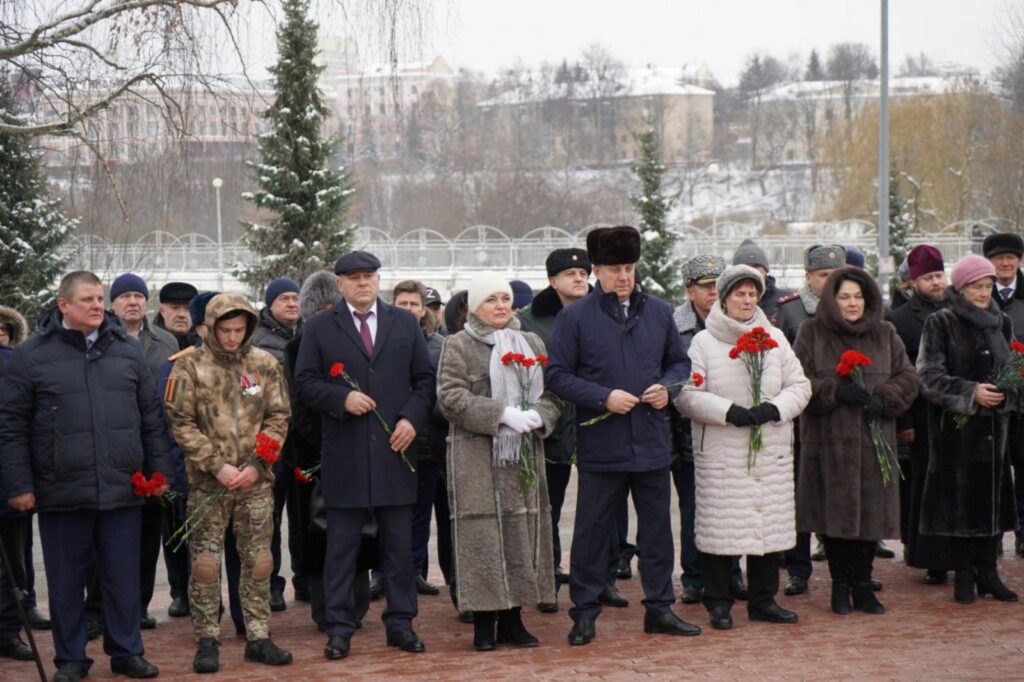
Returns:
(741, 512)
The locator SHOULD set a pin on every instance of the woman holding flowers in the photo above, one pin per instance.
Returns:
(861, 381)
(742, 419)
(970, 375)
(490, 388)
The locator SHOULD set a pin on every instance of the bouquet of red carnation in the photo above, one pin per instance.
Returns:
(305, 476)
(526, 371)
(1010, 377)
(753, 349)
(267, 449)
(146, 488)
(338, 370)
(850, 364)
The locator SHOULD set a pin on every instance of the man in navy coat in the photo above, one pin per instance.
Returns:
(359, 363)
(615, 351)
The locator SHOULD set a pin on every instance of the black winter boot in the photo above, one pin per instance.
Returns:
(963, 585)
(837, 555)
(512, 631)
(207, 659)
(988, 582)
(483, 630)
(863, 556)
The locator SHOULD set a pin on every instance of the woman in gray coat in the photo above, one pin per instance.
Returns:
(501, 530)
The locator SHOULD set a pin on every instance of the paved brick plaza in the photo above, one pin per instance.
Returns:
(924, 635)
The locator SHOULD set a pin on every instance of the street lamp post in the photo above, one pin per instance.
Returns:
(217, 184)
(712, 170)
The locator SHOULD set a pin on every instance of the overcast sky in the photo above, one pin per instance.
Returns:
(488, 34)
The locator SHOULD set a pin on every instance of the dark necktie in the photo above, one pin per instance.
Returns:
(1007, 292)
(625, 312)
(364, 331)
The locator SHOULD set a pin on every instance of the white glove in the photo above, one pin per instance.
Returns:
(515, 419)
(535, 421)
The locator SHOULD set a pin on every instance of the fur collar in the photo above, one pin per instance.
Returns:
(546, 303)
(809, 299)
(686, 318)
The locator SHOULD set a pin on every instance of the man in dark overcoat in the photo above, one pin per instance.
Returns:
(928, 286)
(618, 351)
(362, 363)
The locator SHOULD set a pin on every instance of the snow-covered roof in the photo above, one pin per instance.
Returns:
(898, 87)
(645, 82)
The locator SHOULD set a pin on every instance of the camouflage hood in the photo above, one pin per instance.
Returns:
(219, 306)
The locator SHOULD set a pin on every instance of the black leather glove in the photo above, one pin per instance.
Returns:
(764, 413)
(874, 408)
(739, 416)
(852, 394)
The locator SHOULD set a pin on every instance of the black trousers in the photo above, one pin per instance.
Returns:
(12, 533)
(285, 500)
(558, 482)
(423, 510)
(849, 561)
(149, 550)
(976, 552)
(597, 503)
(443, 515)
(798, 559)
(70, 540)
(177, 563)
(762, 579)
(344, 538)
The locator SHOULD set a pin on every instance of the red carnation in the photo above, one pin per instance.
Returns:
(301, 477)
(158, 480)
(337, 369)
(698, 379)
(508, 358)
(529, 362)
(1017, 346)
(267, 448)
(140, 484)
(542, 359)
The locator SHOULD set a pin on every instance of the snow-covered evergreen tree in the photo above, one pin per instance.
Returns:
(32, 225)
(307, 198)
(902, 218)
(658, 269)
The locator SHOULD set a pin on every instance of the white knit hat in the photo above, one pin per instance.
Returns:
(483, 285)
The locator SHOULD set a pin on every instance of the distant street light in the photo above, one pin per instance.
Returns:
(712, 171)
(217, 184)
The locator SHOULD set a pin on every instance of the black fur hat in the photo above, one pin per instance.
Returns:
(613, 245)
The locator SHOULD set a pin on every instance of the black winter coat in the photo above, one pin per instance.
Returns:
(689, 324)
(75, 426)
(968, 491)
(770, 300)
(272, 336)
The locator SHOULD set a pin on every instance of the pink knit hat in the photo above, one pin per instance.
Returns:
(971, 269)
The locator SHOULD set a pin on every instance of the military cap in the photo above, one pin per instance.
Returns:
(177, 292)
(702, 269)
(824, 257)
(356, 261)
(433, 297)
(1004, 242)
(560, 260)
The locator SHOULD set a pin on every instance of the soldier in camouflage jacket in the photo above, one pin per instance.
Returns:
(218, 400)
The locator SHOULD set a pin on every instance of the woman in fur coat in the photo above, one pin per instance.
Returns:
(501, 534)
(968, 491)
(840, 493)
(740, 511)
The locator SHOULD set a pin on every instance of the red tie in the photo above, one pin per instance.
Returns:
(364, 331)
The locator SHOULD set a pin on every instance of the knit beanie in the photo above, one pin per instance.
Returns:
(128, 282)
(522, 293)
(749, 253)
(281, 285)
(970, 269)
(197, 307)
(483, 285)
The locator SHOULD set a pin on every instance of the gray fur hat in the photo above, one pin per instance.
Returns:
(701, 269)
(749, 253)
(733, 275)
(824, 257)
(319, 290)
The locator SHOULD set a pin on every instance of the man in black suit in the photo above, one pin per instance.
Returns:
(364, 365)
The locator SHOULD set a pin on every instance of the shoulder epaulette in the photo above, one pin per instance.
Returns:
(182, 353)
(788, 297)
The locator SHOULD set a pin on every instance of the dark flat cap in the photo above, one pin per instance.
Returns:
(560, 260)
(824, 257)
(433, 297)
(613, 245)
(1004, 242)
(177, 292)
(356, 261)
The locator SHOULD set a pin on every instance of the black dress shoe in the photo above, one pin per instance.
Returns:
(178, 608)
(69, 672)
(147, 622)
(625, 570)
(266, 652)
(1018, 548)
(610, 597)
(135, 667)
(772, 613)
(13, 647)
(668, 623)
(277, 601)
(795, 585)
(302, 595)
(935, 577)
(883, 552)
(692, 594)
(561, 577)
(582, 632)
(93, 629)
(548, 607)
(819, 552)
(423, 587)
(337, 647)
(376, 588)
(739, 591)
(720, 618)
(876, 585)
(406, 640)
(37, 620)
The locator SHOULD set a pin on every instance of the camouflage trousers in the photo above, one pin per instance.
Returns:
(250, 513)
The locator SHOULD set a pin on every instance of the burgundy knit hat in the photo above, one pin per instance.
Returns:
(970, 269)
(923, 260)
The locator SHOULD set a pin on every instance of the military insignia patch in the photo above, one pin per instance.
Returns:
(173, 387)
(250, 383)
